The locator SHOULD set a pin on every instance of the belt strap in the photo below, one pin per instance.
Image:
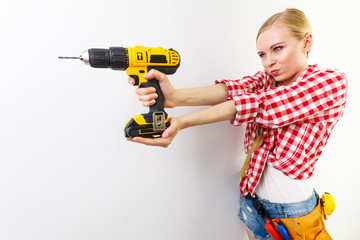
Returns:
(258, 206)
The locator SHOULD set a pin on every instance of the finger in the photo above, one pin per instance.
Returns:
(149, 97)
(145, 91)
(169, 132)
(148, 103)
(131, 81)
(155, 74)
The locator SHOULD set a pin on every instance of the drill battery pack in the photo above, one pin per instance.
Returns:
(138, 126)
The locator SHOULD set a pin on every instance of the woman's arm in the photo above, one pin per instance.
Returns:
(202, 96)
(217, 113)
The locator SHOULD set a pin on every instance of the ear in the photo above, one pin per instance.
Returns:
(308, 42)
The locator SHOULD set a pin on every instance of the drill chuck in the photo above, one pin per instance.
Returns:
(115, 58)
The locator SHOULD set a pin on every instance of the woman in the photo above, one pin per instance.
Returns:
(290, 109)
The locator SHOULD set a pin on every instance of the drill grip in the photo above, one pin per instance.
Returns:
(159, 103)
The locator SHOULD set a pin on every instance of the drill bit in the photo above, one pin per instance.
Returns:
(71, 58)
(83, 57)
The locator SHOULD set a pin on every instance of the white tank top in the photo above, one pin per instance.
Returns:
(276, 187)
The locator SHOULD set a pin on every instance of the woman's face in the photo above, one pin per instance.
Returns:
(282, 55)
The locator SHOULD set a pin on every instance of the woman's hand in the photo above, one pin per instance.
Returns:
(197, 96)
(148, 95)
(166, 138)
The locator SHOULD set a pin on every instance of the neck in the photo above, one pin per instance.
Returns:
(289, 81)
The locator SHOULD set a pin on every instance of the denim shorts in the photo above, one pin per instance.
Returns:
(255, 223)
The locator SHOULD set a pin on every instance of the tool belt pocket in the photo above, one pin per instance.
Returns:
(308, 227)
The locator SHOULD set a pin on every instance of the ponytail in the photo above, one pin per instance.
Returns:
(257, 143)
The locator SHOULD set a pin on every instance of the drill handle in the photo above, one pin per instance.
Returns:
(159, 103)
(141, 82)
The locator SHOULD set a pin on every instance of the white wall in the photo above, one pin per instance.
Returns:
(66, 171)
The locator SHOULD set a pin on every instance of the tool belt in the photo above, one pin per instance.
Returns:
(308, 227)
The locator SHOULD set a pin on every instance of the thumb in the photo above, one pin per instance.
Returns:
(168, 132)
(171, 131)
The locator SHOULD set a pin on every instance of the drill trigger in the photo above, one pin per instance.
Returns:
(136, 78)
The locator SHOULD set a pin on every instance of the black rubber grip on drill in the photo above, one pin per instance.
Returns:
(159, 104)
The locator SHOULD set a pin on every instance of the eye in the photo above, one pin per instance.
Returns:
(276, 49)
(261, 55)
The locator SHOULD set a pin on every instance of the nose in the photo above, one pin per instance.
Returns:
(270, 61)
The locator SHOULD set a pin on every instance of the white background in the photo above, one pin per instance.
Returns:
(67, 172)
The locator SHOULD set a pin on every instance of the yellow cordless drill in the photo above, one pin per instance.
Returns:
(137, 61)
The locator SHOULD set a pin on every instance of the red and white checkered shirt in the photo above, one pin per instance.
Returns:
(296, 120)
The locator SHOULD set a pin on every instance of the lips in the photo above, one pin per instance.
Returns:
(275, 72)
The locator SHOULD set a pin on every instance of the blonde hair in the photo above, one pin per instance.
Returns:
(292, 18)
(257, 143)
(296, 21)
